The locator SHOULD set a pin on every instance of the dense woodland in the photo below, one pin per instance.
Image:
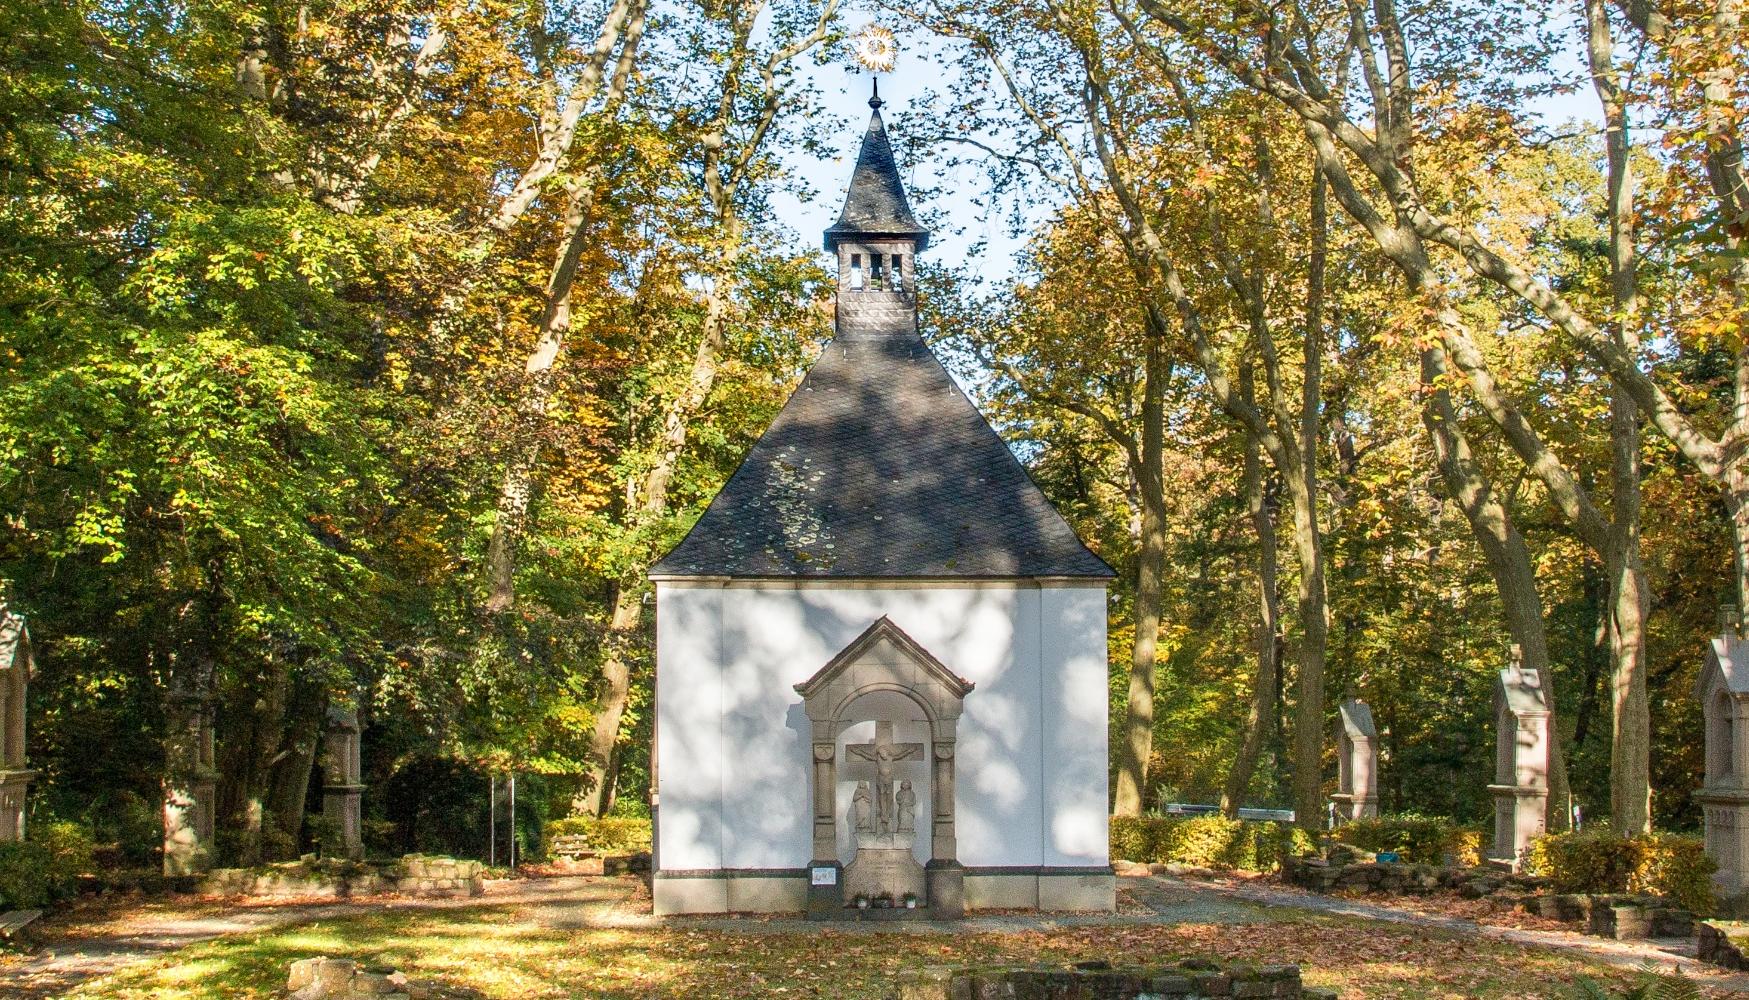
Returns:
(365, 353)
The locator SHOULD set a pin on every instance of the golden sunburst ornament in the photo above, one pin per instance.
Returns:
(874, 48)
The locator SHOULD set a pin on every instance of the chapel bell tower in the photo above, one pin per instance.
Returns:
(876, 239)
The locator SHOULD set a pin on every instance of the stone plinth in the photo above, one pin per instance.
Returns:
(342, 790)
(17, 664)
(1357, 762)
(889, 872)
(1521, 765)
(1723, 692)
(189, 780)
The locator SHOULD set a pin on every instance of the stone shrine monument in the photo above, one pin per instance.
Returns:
(17, 664)
(1357, 762)
(1723, 690)
(190, 777)
(1521, 761)
(880, 653)
(342, 788)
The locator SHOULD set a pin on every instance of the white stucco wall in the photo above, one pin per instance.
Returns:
(733, 742)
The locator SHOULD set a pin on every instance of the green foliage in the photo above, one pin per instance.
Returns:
(1598, 860)
(1418, 839)
(609, 834)
(44, 869)
(1212, 841)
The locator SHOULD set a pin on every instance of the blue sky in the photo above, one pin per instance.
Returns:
(846, 93)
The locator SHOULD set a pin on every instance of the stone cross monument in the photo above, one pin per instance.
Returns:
(1357, 761)
(16, 666)
(1521, 761)
(1723, 691)
(342, 787)
(884, 753)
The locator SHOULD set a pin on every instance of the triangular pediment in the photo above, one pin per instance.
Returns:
(885, 637)
(1521, 691)
(1727, 666)
(1357, 720)
(14, 642)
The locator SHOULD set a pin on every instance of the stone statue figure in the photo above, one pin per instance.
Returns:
(907, 803)
(860, 806)
(884, 790)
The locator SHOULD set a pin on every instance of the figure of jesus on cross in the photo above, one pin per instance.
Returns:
(885, 753)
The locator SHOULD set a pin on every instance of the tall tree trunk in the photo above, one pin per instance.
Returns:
(616, 685)
(1138, 744)
(1504, 551)
(648, 498)
(624, 26)
(1260, 718)
(1302, 487)
(1630, 781)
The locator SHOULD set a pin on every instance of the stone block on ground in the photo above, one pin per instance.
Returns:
(1191, 978)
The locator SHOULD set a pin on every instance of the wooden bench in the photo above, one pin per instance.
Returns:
(574, 846)
(16, 920)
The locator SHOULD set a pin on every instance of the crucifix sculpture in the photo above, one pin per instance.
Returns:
(885, 753)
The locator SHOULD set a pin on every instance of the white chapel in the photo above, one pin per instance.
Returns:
(881, 682)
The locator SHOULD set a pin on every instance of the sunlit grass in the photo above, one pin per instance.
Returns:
(502, 952)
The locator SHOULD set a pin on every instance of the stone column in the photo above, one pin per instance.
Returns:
(1357, 782)
(189, 780)
(1521, 775)
(1723, 692)
(825, 873)
(944, 876)
(342, 788)
(16, 666)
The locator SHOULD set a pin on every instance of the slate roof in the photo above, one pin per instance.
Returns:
(878, 466)
(876, 203)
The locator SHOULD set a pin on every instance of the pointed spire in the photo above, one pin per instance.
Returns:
(875, 205)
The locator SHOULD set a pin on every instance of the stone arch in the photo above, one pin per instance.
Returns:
(1721, 736)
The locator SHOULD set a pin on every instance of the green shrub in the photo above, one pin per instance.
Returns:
(610, 834)
(1417, 839)
(1211, 841)
(44, 869)
(1600, 861)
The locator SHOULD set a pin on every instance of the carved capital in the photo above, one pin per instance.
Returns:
(944, 751)
(824, 752)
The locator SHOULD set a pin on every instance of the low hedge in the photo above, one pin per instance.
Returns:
(1600, 861)
(1212, 841)
(1417, 839)
(44, 869)
(612, 834)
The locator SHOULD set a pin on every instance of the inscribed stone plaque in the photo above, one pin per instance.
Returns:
(883, 872)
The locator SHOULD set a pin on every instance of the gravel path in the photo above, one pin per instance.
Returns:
(592, 902)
